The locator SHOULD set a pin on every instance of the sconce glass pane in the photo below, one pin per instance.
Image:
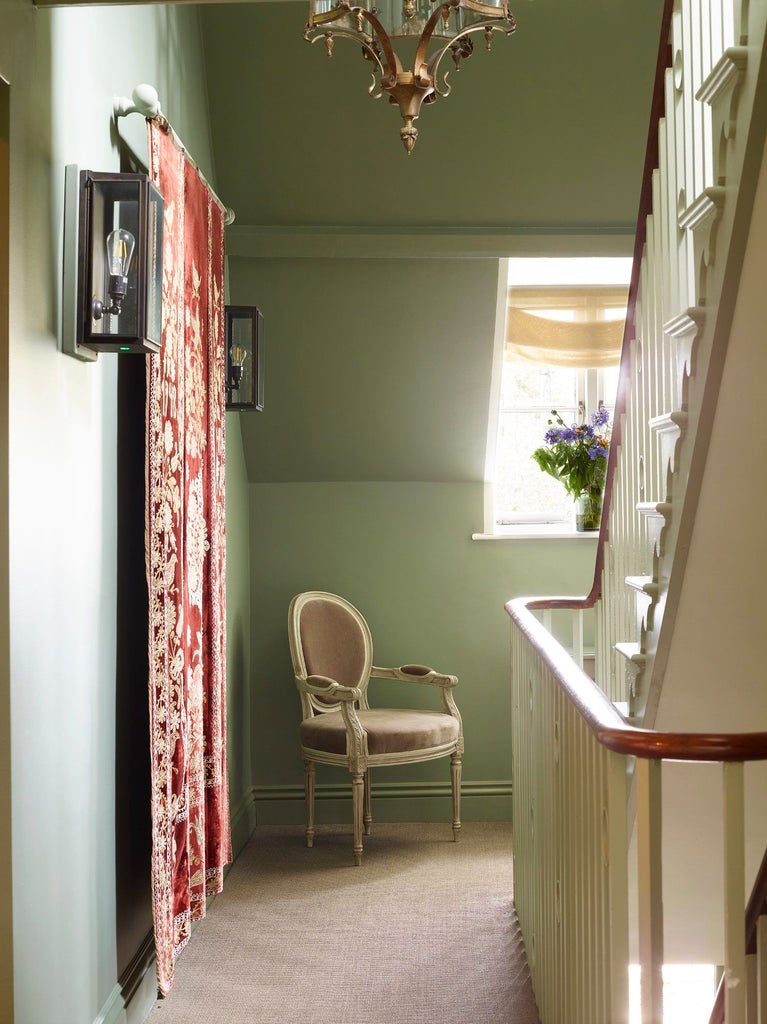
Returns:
(245, 346)
(120, 311)
(154, 277)
(114, 206)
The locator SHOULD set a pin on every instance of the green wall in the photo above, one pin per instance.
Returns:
(375, 369)
(377, 275)
(402, 553)
(238, 635)
(367, 470)
(64, 68)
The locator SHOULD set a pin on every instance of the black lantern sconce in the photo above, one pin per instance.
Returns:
(244, 358)
(112, 264)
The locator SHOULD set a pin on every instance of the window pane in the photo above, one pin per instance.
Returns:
(523, 490)
(550, 386)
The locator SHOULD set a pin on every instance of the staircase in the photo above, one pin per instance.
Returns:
(710, 138)
(615, 785)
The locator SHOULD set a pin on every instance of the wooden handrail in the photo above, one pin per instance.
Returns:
(602, 717)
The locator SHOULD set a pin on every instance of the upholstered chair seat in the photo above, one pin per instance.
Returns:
(332, 654)
(389, 731)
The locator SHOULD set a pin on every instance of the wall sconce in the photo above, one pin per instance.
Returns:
(112, 264)
(244, 358)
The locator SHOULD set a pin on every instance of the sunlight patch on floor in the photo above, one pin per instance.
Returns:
(688, 993)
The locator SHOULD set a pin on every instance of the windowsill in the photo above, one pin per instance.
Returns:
(538, 531)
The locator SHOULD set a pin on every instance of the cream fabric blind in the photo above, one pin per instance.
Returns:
(568, 326)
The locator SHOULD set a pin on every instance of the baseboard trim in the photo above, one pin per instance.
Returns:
(243, 821)
(134, 973)
(393, 801)
(113, 1010)
(383, 790)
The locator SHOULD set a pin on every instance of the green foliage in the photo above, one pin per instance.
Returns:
(576, 455)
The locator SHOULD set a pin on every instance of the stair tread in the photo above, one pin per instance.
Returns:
(645, 585)
(668, 421)
(660, 509)
(631, 652)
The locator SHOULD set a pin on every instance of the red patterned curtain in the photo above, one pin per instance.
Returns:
(186, 560)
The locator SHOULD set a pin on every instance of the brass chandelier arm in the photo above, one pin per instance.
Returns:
(390, 66)
(436, 57)
(428, 30)
(343, 34)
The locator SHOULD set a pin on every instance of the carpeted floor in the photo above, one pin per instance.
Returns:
(423, 932)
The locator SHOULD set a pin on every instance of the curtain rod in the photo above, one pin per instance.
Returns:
(144, 101)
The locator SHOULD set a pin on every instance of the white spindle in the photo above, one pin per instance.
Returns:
(650, 889)
(734, 889)
(761, 970)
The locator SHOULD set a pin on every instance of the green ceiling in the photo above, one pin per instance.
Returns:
(546, 131)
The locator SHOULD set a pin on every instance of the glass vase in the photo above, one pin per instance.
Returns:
(588, 510)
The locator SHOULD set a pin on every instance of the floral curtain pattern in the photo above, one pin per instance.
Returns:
(185, 558)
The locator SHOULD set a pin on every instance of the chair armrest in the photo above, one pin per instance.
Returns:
(415, 674)
(323, 686)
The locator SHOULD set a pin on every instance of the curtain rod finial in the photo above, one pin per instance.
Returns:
(144, 100)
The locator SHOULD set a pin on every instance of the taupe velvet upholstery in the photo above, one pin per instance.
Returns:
(332, 653)
(332, 643)
(388, 730)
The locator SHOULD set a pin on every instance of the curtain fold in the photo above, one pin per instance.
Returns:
(186, 559)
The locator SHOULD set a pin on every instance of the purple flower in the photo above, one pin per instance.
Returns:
(598, 450)
(600, 417)
(553, 435)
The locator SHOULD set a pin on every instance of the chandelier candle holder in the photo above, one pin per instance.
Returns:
(447, 26)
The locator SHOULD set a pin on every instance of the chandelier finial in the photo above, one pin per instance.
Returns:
(408, 133)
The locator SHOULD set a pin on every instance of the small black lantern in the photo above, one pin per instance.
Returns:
(119, 262)
(244, 358)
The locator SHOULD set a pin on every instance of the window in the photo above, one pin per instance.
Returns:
(562, 315)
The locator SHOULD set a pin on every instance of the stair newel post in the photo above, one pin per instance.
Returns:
(734, 894)
(650, 887)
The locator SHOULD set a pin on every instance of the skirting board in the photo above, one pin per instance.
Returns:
(243, 821)
(396, 801)
(113, 1010)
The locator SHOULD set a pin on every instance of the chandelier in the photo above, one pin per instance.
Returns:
(445, 27)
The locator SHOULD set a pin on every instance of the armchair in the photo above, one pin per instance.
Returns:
(332, 652)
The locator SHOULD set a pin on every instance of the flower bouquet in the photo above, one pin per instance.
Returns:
(577, 457)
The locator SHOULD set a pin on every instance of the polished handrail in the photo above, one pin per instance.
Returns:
(605, 721)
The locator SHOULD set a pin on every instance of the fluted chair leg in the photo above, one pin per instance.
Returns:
(455, 780)
(358, 799)
(309, 790)
(367, 817)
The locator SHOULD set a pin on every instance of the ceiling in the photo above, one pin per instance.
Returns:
(546, 132)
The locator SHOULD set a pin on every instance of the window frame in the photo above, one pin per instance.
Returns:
(590, 391)
(527, 527)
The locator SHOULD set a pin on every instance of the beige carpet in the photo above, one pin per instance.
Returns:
(424, 932)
